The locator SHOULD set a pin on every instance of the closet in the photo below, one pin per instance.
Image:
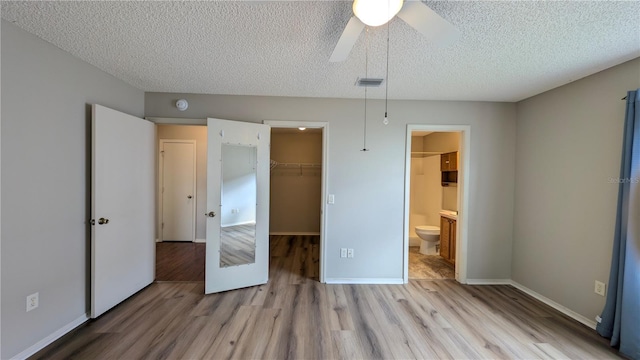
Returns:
(296, 158)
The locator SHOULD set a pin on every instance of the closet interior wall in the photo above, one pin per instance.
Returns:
(295, 181)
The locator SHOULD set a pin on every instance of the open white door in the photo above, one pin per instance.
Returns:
(122, 207)
(237, 251)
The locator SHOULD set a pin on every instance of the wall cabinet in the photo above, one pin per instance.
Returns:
(448, 239)
(449, 161)
(449, 168)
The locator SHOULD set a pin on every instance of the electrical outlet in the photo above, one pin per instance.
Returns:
(600, 288)
(343, 252)
(349, 253)
(32, 301)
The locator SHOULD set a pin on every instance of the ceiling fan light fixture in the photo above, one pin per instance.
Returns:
(376, 12)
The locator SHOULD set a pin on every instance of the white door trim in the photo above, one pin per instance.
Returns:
(325, 176)
(463, 196)
(161, 143)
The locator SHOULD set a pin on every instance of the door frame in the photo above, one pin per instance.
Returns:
(161, 143)
(462, 238)
(325, 161)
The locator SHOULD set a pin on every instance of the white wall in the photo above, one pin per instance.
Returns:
(199, 134)
(569, 143)
(369, 186)
(46, 97)
(238, 185)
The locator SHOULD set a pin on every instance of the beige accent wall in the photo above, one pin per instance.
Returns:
(199, 134)
(569, 143)
(426, 193)
(443, 142)
(295, 191)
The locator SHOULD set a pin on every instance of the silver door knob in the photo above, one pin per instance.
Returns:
(210, 214)
(103, 221)
(189, 196)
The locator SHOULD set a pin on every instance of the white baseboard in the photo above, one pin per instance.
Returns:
(359, 281)
(238, 223)
(570, 313)
(489, 282)
(294, 233)
(52, 337)
(200, 241)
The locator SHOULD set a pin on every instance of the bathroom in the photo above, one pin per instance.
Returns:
(433, 204)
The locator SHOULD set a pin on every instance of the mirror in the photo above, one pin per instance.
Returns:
(238, 210)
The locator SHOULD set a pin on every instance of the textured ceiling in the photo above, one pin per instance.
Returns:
(508, 51)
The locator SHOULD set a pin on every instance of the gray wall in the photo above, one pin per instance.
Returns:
(569, 143)
(45, 193)
(369, 186)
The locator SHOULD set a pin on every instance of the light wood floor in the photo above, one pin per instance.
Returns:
(237, 245)
(296, 317)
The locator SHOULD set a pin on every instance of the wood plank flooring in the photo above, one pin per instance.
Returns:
(237, 245)
(296, 317)
(180, 261)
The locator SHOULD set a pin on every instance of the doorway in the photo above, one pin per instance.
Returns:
(435, 240)
(182, 260)
(192, 258)
(298, 189)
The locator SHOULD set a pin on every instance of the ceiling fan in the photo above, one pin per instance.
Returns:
(378, 12)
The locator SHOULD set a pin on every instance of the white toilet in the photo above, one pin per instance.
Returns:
(430, 236)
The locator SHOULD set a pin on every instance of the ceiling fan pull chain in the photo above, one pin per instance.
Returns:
(366, 75)
(386, 85)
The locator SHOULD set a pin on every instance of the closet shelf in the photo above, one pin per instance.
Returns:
(275, 164)
(425, 153)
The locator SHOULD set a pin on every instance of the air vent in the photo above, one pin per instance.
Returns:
(369, 82)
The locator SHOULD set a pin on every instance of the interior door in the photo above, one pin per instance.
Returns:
(237, 250)
(178, 187)
(122, 207)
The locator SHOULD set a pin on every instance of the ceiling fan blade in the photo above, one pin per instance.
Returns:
(427, 22)
(347, 40)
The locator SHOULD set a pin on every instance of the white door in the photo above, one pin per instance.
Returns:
(178, 189)
(122, 207)
(237, 250)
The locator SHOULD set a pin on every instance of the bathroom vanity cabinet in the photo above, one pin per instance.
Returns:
(448, 239)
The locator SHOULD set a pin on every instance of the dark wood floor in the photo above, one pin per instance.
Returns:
(296, 317)
(180, 261)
